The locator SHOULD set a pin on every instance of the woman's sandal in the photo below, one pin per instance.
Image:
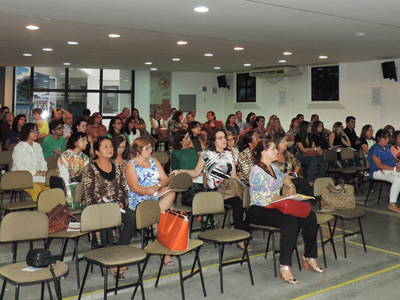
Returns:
(311, 263)
(283, 269)
(120, 275)
(169, 262)
(249, 249)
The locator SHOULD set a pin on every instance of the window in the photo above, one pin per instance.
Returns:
(325, 83)
(245, 88)
(75, 89)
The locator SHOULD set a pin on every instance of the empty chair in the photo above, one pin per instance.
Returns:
(52, 162)
(24, 226)
(104, 216)
(162, 157)
(206, 203)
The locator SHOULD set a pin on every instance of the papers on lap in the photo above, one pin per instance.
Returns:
(297, 197)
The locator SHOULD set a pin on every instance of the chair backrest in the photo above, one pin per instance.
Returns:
(246, 198)
(78, 193)
(347, 153)
(100, 216)
(24, 225)
(11, 147)
(206, 203)
(330, 154)
(162, 157)
(48, 199)
(5, 157)
(16, 180)
(50, 172)
(147, 213)
(321, 183)
(52, 162)
(182, 181)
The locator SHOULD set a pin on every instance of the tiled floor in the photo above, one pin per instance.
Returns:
(371, 275)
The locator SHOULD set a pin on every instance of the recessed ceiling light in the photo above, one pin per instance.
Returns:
(217, 68)
(67, 64)
(32, 27)
(47, 49)
(182, 43)
(282, 61)
(361, 33)
(114, 35)
(208, 54)
(287, 53)
(72, 43)
(176, 59)
(153, 69)
(323, 57)
(201, 9)
(246, 65)
(148, 63)
(238, 48)
(26, 54)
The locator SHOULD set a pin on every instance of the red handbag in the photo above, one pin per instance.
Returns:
(173, 230)
(292, 207)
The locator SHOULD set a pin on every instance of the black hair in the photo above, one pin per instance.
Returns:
(212, 138)
(76, 136)
(303, 131)
(364, 130)
(3, 108)
(96, 144)
(53, 112)
(262, 145)
(299, 115)
(192, 125)
(26, 130)
(78, 123)
(53, 125)
(247, 138)
(254, 124)
(126, 126)
(16, 120)
(249, 117)
(227, 119)
(86, 112)
(314, 127)
(178, 137)
(111, 129)
(350, 118)
(116, 141)
(382, 133)
(177, 115)
(277, 138)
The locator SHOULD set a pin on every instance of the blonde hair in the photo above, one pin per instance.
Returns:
(139, 144)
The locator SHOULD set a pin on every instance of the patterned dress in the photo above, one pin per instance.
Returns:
(218, 166)
(146, 177)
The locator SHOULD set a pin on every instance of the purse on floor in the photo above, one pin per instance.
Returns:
(173, 230)
(292, 207)
(338, 197)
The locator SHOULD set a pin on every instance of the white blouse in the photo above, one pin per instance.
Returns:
(29, 158)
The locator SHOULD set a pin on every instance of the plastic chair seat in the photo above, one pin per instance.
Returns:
(225, 235)
(348, 213)
(116, 255)
(158, 248)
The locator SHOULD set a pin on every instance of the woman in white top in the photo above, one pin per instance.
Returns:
(28, 156)
(131, 130)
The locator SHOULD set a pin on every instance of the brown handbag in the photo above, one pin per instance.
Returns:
(230, 188)
(58, 218)
(338, 197)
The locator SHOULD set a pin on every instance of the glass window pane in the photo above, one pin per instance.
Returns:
(22, 88)
(113, 103)
(117, 80)
(84, 79)
(49, 78)
(46, 101)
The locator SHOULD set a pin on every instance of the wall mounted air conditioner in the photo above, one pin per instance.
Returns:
(275, 72)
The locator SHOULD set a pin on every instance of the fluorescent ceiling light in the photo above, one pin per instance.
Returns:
(238, 48)
(201, 9)
(153, 69)
(246, 65)
(217, 68)
(287, 53)
(26, 54)
(148, 63)
(176, 59)
(282, 61)
(323, 57)
(72, 43)
(32, 27)
(114, 35)
(208, 54)
(47, 49)
(182, 43)
(361, 33)
(67, 64)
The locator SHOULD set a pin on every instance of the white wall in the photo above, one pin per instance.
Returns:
(142, 94)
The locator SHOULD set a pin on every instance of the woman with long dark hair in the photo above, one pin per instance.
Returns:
(266, 181)
(121, 150)
(15, 132)
(130, 130)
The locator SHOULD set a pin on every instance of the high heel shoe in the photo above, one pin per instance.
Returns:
(312, 263)
(291, 280)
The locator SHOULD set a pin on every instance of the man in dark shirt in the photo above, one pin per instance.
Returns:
(349, 130)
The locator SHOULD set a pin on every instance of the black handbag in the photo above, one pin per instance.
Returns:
(42, 258)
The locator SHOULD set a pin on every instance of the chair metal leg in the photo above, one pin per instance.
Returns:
(84, 280)
(332, 240)
(49, 290)
(159, 270)
(221, 279)
(105, 282)
(344, 238)
(3, 289)
(181, 277)
(14, 248)
(248, 261)
(362, 235)
(322, 245)
(78, 280)
(369, 191)
(273, 252)
(200, 271)
(17, 292)
(297, 256)
(269, 237)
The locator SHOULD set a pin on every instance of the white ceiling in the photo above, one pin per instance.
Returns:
(150, 29)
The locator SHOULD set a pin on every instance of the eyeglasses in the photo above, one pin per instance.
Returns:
(35, 130)
(98, 117)
(119, 123)
(148, 148)
(59, 128)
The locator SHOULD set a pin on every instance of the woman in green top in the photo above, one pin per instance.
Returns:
(184, 156)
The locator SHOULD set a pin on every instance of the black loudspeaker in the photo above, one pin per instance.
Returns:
(222, 81)
(389, 70)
